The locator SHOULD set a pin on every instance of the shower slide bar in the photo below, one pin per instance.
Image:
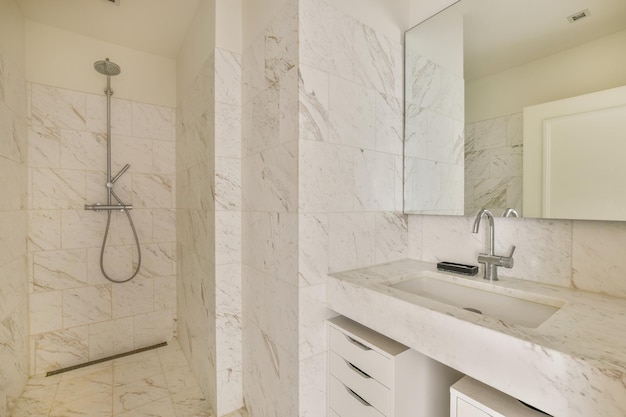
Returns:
(98, 207)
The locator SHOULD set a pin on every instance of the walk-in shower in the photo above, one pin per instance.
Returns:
(110, 69)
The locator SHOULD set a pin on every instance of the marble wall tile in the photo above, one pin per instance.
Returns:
(157, 259)
(14, 352)
(44, 147)
(57, 189)
(58, 270)
(227, 183)
(312, 388)
(440, 231)
(118, 263)
(111, 337)
(96, 115)
(12, 230)
(57, 107)
(227, 77)
(391, 237)
(389, 124)
(351, 240)
(228, 130)
(152, 121)
(352, 114)
(313, 104)
(14, 285)
(138, 153)
(155, 327)
(596, 257)
(165, 292)
(374, 181)
(81, 229)
(277, 368)
(326, 35)
(313, 313)
(86, 305)
(153, 191)
(313, 248)
(54, 350)
(164, 225)
(227, 237)
(326, 177)
(163, 158)
(134, 298)
(83, 150)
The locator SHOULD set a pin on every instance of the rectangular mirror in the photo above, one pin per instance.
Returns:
(478, 74)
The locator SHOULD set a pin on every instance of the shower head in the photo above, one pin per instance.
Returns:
(107, 67)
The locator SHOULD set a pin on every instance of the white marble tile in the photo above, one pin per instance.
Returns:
(415, 236)
(326, 177)
(351, 240)
(139, 393)
(164, 225)
(152, 328)
(83, 150)
(46, 312)
(227, 183)
(165, 292)
(596, 257)
(271, 374)
(327, 39)
(490, 133)
(228, 237)
(351, 114)
(44, 230)
(313, 104)
(312, 388)
(152, 191)
(281, 43)
(157, 259)
(270, 180)
(230, 395)
(163, 157)
(110, 337)
(96, 115)
(227, 130)
(58, 270)
(191, 403)
(312, 315)
(55, 350)
(86, 305)
(374, 181)
(158, 408)
(133, 297)
(14, 281)
(57, 189)
(44, 147)
(378, 61)
(391, 237)
(12, 229)
(118, 263)
(227, 77)
(138, 153)
(389, 124)
(152, 121)
(80, 229)
(56, 107)
(14, 351)
(450, 239)
(313, 248)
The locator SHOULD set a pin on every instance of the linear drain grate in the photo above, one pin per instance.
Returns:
(109, 358)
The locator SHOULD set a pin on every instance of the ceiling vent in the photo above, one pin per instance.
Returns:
(576, 16)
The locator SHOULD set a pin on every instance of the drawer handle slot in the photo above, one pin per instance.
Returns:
(357, 343)
(358, 397)
(357, 370)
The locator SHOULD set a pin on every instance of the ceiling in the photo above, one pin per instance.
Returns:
(154, 26)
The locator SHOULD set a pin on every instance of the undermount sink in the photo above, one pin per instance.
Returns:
(509, 308)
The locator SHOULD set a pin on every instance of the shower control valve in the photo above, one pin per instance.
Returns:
(109, 185)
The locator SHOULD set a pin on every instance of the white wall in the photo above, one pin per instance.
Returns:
(594, 66)
(12, 32)
(59, 58)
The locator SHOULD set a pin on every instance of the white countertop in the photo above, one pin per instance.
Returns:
(574, 364)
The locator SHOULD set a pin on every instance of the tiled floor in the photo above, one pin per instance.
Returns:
(156, 383)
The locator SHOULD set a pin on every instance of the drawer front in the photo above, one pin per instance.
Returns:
(346, 403)
(363, 357)
(465, 409)
(362, 384)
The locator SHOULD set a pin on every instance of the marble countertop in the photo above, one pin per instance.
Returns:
(573, 364)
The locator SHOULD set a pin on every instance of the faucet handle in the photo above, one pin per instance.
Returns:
(511, 251)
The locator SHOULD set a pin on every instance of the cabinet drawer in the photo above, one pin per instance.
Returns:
(465, 409)
(346, 403)
(361, 355)
(362, 384)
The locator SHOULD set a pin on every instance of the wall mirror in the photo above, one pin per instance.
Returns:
(494, 90)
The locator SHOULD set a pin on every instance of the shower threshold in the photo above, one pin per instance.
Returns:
(108, 358)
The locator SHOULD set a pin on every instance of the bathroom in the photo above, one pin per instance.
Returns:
(265, 146)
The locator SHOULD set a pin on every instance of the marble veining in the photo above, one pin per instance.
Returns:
(557, 366)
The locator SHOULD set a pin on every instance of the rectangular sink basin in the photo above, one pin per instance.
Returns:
(510, 309)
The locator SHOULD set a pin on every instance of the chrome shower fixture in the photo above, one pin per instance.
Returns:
(110, 69)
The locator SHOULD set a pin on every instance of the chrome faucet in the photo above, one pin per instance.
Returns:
(490, 259)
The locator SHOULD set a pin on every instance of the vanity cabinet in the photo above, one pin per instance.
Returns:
(471, 398)
(370, 375)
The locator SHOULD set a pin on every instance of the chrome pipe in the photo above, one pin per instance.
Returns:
(108, 207)
(119, 174)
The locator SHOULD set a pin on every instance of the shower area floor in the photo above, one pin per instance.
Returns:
(155, 383)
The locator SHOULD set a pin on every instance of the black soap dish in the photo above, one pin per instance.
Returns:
(457, 268)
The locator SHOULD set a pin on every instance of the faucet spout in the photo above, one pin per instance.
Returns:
(486, 213)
